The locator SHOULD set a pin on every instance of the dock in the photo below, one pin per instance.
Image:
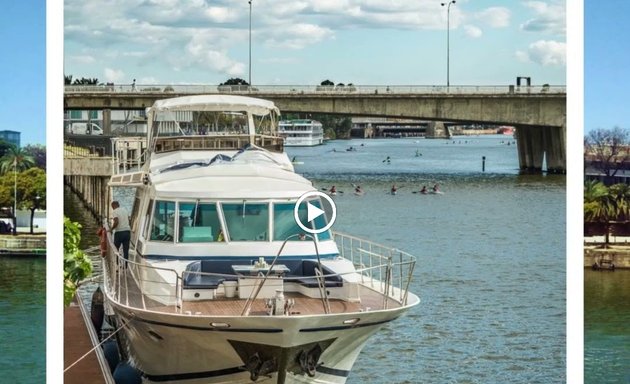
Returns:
(79, 337)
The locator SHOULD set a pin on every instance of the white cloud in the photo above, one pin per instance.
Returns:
(298, 36)
(472, 31)
(545, 53)
(222, 14)
(549, 17)
(114, 75)
(82, 59)
(495, 17)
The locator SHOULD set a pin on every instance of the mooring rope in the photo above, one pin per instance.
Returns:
(98, 345)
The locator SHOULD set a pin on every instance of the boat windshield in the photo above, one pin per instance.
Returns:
(247, 221)
(198, 222)
(202, 222)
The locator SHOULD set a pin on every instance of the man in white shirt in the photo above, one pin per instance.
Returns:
(121, 229)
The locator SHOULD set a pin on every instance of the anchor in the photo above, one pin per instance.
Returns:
(257, 367)
(308, 360)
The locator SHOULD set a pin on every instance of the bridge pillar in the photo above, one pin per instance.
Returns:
(555, 144)
(107, 121)
(436, 130)
(536, 144)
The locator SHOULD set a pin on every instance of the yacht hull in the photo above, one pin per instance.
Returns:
(179, 348)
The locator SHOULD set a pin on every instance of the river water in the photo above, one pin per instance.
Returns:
(606, 327)
(490, 250)
(23, 319)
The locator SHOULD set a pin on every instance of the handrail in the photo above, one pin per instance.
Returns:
(387, 270)
(168, 90)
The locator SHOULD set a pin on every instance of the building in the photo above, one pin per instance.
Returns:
(12, 137)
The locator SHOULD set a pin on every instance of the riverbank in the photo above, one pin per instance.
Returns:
(617, 254)
(23, 243)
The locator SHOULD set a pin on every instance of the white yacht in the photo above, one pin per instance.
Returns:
(301, 132)
(222, 285)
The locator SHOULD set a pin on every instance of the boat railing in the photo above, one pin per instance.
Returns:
(128, 282)
(217, 142)
(385, 269)
(382, 269)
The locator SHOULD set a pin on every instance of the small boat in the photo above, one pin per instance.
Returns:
(222, 284)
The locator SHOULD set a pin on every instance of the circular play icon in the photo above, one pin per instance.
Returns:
(315, 217)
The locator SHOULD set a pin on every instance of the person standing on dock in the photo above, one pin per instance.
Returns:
(121, 229)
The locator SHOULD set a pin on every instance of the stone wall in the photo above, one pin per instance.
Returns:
(618, 255)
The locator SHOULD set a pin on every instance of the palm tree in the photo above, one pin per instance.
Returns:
(16, 159)
(606, 205)
(597, 207)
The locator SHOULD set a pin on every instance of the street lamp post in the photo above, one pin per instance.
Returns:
(250, 42)
(33, 209)
(448, 29)
(14, 197)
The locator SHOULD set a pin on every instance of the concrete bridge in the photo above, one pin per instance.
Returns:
(538, 112)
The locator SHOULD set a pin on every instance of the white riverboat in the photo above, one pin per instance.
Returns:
(301, 132)
(222, 284)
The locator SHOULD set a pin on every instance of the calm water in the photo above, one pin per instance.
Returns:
(22, 319)
(491, 257)
(606, 327)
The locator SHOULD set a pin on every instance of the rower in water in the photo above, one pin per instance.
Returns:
(333, 190)
(387, 160)
(436, 188)
(394, 189)
(424, 190)
(358, 190)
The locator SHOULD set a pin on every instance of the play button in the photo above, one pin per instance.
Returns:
(313, 212)
(316, 223)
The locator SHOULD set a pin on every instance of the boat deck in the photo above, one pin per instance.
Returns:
(130, 294)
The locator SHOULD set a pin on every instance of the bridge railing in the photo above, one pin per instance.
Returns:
(168, 90)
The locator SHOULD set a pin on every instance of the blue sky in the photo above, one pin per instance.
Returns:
(294, 42)
(23, 69)
(606, 63)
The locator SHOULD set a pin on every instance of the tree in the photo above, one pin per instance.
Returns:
(38, 153)
(606, 205)
(16, 157)
(31, 187)
(327, 82)
(76, 265)
(4, 147)
(235, 81)
(608, 151)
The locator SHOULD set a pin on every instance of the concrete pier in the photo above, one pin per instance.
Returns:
(87, 177)
(537, 144)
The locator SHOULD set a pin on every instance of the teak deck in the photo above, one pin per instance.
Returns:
(221, 306)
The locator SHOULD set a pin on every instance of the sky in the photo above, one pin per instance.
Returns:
(23, 70)
(303, 42)
(606, 63)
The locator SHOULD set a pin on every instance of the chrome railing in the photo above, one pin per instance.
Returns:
(385, 270)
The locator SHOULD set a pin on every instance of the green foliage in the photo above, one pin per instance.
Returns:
(4, 147)
(28, 184)
(235, 81)
(606, 204)
(76, 265)
(38, 153)
(15, 157)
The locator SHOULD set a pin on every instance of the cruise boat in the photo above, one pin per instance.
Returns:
(222, 284)
(301, 133)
